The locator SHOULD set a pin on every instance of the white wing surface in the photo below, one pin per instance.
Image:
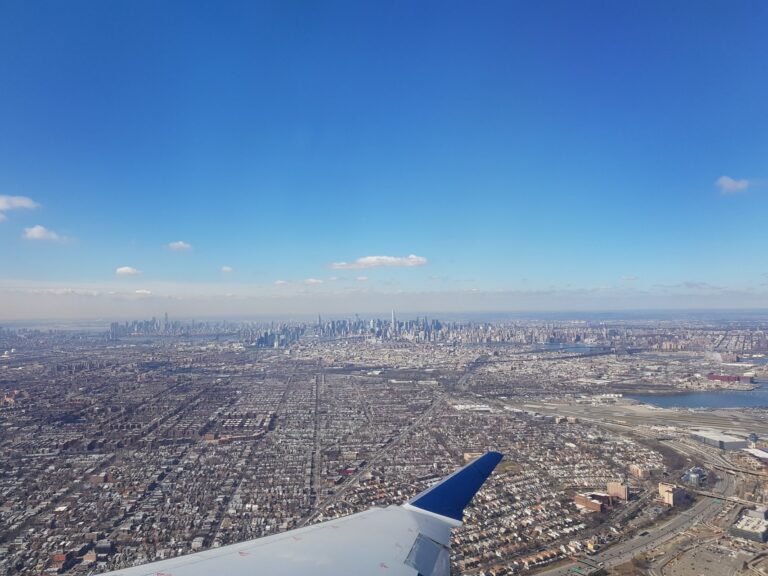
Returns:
(408, 540)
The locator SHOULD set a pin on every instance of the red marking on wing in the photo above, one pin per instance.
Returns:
(243, 553)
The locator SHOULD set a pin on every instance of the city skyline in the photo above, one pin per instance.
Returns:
(292, 159)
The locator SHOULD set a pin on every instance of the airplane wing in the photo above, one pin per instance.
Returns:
(408, 540)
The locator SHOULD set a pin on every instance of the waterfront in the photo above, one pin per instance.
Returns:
(718, 399)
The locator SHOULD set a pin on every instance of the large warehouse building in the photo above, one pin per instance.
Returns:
(719, 440)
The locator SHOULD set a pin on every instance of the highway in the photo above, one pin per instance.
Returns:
(704, 509)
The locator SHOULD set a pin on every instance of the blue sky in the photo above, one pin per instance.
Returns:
(546, 155)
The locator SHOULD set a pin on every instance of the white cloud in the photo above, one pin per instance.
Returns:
(143, 292)
(690, 285)
(313, 281)
(377, 261)
(280, 282)
(362, 278)
(227, 269)
(728, 185)
(64, 291)
(14, 203)
(127, 271)
(180, 245)
(38, 232)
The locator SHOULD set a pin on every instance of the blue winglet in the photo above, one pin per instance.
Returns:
(450, 496)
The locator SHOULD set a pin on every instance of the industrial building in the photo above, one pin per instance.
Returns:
(759, 512)
(695, 476)
(719, 440)
(761, 455)
(747, 377)
(751, 526)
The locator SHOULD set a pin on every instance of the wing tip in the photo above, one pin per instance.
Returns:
(494, 456)
(451, 495)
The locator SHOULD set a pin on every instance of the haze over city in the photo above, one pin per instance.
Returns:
(260, 158)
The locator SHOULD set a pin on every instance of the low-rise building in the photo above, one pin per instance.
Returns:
(751, 528)
(587, 502)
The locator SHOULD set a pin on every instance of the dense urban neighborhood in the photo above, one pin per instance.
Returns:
(152, 439)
